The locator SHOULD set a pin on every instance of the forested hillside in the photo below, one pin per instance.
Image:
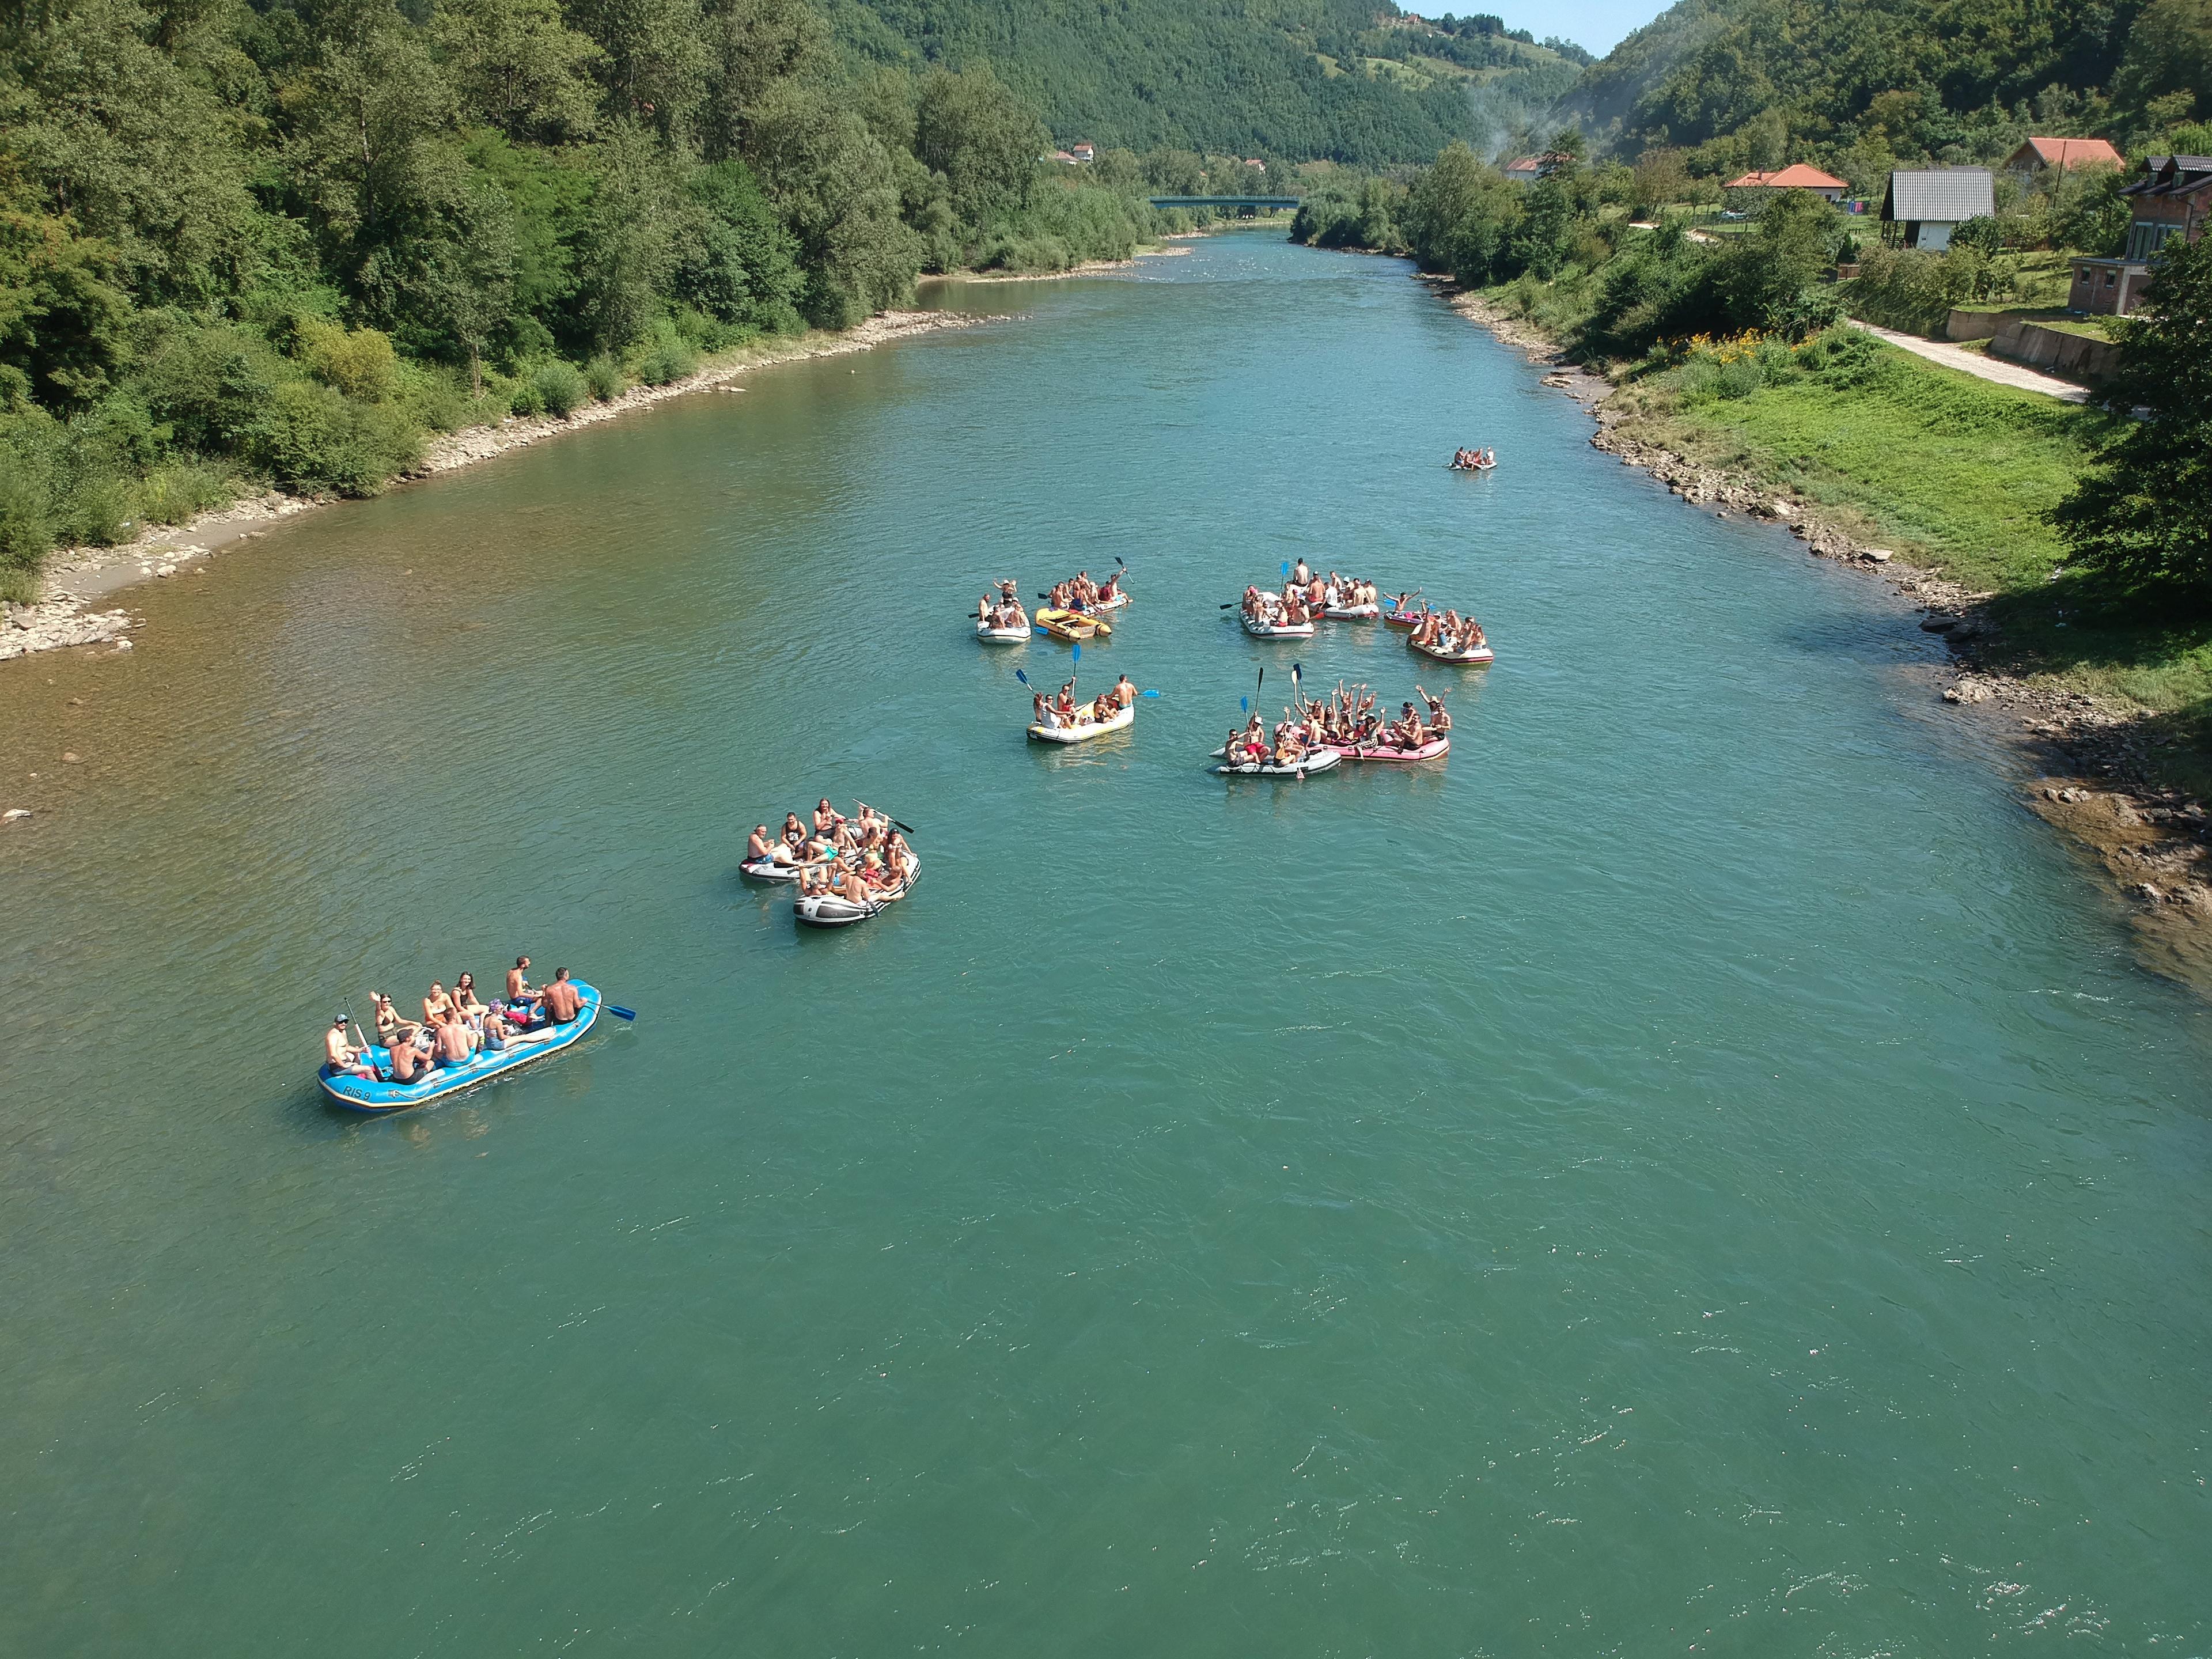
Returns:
(283, 242)
(1860, 84)
(1298, 79)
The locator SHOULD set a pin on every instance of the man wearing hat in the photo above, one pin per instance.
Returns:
(343, 1056)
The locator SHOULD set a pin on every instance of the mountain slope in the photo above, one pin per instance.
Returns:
(1923, 73)
(1296, 79)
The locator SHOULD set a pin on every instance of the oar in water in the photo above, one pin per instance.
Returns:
(619, 1012)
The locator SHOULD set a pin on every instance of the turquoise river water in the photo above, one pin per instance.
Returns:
(1702, 1171)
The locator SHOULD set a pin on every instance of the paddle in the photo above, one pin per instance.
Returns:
(619, 1013)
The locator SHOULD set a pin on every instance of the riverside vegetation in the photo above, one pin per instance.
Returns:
(2089, 533)
(250, 245)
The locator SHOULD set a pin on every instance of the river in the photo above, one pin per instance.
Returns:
(1701, 1170)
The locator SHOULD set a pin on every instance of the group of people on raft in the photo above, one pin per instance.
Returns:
(1307, 595)
(1448, 632)
(1061, 710)
(863, 858)
(1347, 722)
(1078, 593)
(1473, 461)
(1002, 608)
(456, 1026)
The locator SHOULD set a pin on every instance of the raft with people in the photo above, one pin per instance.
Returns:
(1264, 763)
(1473, 461)
(1059, 718)
(1000, 618)
(862, 860)
(458, 1044)
(856, 899)
(1435, 748)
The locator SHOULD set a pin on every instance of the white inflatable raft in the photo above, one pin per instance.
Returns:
(1084, 731)
(769, 870)
(833, 910)
(991, 636)
(1263, 630)
(1480, 657)
(1316, 760)
(1352, 612)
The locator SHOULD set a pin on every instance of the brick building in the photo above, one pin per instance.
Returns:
(2172, 199)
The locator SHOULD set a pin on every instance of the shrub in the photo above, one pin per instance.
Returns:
(311, 438)
(358, 361)
(526, 399)
(668, 362)
(172, 494)
(561, 387)
(604, 375)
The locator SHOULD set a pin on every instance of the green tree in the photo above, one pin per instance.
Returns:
(519, 67)
(986, 141)
(751, 47)
(655, 59)
(2169, 58)
(63, 324)
(837, 189)
(2143, 518)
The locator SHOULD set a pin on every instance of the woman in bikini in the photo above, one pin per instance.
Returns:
(466, 1003)
(437, 1005)
(825, 816)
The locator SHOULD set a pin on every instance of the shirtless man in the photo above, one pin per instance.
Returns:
(452, 1045)
(561, 1002)
(1124, 693)
(409, 1063)
(1300, 575)
(342, 1055)
(758, 850)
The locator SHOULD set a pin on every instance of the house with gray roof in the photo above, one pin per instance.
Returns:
(1926, 206)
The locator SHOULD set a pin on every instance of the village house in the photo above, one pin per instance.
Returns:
(2039, 155)
(1084, 152)
(1920, 209)
(1797, 176)
(1528, 169)
(2172, 200)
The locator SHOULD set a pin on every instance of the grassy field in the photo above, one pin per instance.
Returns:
(1954, 473)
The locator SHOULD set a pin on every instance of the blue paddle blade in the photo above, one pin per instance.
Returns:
(1244, 705)
(619, 1013)
(1287, 567)
(1152, 694)
(1024, 679)
(1078, 657)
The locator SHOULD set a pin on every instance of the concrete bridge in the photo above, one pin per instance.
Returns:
(1244, 207)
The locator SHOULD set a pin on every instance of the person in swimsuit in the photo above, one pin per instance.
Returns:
(452, 1040)
(436, 1004)
(343, 1057)
(825, 816)
(391, 1030)
(562, 1004)
(465, 1002)
(900, 856)
(518, 987)
(410, 1060)
(759, 851)
(1124, 693)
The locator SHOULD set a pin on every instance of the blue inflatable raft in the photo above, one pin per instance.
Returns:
(359, 1094)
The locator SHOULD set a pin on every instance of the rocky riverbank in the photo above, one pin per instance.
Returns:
(76, 578)
(2095, 771)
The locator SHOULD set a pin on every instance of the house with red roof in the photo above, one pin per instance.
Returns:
(1528, 169)
(1796, 176)
(2065, 155)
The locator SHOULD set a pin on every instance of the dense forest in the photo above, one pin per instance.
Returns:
(1861, 86)
(1341, 80)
